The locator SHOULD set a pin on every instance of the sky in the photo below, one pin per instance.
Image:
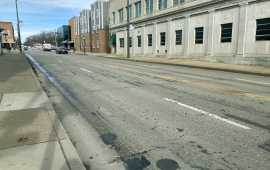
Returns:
(40, 15)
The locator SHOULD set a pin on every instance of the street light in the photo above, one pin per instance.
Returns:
(84, 43)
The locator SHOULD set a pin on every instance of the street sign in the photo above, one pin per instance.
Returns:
(131, 27)
(20, 23)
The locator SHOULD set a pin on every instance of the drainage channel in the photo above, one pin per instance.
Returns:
(137, 163)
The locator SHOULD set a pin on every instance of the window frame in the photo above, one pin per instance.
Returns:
(264, 27)
(138, 9)
(161, 38)
(197, 31)
(177, 32)
(139, 40)
(123, 42)
(93, 42)
(149, 6)
(121, 17)
(97, 43)
(148, 43)
(226, 27)
(130, 41)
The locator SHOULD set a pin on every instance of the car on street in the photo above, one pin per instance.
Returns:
(61, 50)
(46, 47)
(25, 48)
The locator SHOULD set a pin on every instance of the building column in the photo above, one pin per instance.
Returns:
(241, 40)
(186, 36)
(143, 39)
(154, 39)
(169, 37)
(210, 34)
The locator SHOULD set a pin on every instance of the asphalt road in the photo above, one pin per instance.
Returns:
(154, 116)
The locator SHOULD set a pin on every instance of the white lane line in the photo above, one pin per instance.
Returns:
(60, 60)
(87, 70)
(145, 65)
(209, 114)
(252, 81)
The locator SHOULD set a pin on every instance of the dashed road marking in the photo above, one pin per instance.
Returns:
(208, 114)
(86, 70)
(60, 61)
(252, 81)
(145, 65)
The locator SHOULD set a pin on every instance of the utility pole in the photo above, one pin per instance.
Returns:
(19, 34)
(128, 52)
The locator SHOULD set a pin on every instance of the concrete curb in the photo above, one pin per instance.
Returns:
(194, 66)
(68, 149)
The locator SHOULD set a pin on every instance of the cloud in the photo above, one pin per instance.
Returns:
(63, 3)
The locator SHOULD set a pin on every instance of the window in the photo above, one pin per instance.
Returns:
(162, 38)
(93, 29)
(149, 6)
(96, 13)
(92, 14)
(121, 42)
(113, 17)
(175, 2)
(97, 43)
(226, 33)
(199, 35)
(139, 41)
(130, 41)
(121, 15)
(138, 9)
(178, 37)
(130, 12)
(97, 28)
(84, 44)
(162, 4)
(93, 44)
(263, 30)
(150, 40)
(182, 1)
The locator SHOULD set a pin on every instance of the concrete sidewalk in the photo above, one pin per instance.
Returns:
(32, 137)
(245, 69)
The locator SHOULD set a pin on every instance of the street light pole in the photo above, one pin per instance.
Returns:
(128, 52)
(19, 34)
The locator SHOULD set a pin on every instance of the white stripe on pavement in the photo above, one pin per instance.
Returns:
(252, 81)
(145, 65)
(60, 60)
(87, 70)
(209, 114)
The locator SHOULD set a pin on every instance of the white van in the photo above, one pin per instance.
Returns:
(46, 47)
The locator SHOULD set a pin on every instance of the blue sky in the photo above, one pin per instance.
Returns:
(40, 15)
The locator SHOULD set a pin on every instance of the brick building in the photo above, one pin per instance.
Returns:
(93, 25)
(72, 32)
(100, 26)
(9, 39)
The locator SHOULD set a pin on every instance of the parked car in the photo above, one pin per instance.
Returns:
(61, 50)
(25, 48)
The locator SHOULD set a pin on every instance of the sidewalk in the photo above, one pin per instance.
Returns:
(31, 135)
(245, 69)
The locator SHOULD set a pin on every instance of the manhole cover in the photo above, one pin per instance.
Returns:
(167, 164)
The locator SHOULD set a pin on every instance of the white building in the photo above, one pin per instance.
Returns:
(231, 31)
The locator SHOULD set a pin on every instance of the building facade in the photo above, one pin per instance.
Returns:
(63, 35)
(232, 31)
(72, 32)
(8, 37)
(100, 26)
(77, 32)
(85, 30)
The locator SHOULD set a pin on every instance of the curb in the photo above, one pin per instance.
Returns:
(69, 152)
(193, 66)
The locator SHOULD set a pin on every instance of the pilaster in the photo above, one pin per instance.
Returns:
(210, 34)
(186, 36)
